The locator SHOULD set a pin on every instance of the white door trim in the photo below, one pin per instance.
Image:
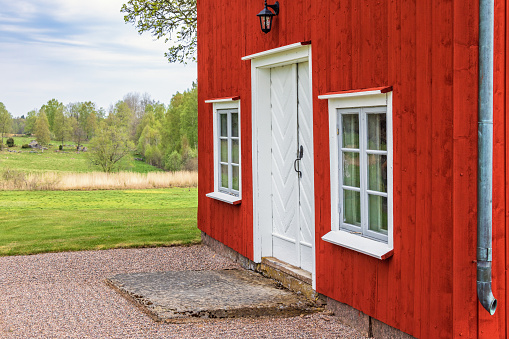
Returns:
(261, 134)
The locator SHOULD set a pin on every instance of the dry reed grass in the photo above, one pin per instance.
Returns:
(53, 181)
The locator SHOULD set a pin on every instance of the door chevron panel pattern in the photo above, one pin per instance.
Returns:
(285, 189)
(292, 197)
(305, 118)
(306, 182)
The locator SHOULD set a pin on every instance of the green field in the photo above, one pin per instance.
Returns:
(54, 221)
(66, 161)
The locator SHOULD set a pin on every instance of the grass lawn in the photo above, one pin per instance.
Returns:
(54, 221)
(67, 161)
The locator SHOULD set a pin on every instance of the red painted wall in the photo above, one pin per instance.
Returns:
(428, 51)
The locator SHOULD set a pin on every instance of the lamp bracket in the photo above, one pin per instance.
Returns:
(274, 7)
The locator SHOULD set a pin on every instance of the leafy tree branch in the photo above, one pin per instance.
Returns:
(169, 19)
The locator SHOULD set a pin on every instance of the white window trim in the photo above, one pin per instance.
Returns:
(279, 50)
(343, 238)
(219, 104)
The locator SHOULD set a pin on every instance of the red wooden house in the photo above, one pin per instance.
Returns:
(345, 142)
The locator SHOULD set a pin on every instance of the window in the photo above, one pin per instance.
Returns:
(362, 163)
(227, 150)
(360, 134)
(229, 159)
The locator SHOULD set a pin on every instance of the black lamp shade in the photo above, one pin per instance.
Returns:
(265, 20)
(266, 16)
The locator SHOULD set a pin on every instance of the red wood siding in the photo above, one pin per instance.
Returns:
(427, 50)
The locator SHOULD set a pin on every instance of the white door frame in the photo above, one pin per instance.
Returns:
(261, 63)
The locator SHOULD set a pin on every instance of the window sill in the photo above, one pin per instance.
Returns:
(230, 199)
(360, 244)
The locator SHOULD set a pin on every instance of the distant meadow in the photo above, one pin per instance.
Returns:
(31, 169)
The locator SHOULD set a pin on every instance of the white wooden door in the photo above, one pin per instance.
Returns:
(292, 193)
(306, 164)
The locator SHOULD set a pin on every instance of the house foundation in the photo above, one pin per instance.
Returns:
(299, 281)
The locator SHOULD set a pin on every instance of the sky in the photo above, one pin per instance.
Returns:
(80, 50)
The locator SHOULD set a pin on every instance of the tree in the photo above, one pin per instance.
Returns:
(62, 127)
(162, 18)
(77, 132)
(171, 135)
(123, 116)
(5, 120)
(30, 121)
(18, 125)
(42, 133)
(189, 116)
(82, 125)
(149, 144)
(137, 103)
(91, 125)
(109, 147)
(51, 109)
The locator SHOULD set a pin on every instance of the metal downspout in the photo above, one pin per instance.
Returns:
(485, 156)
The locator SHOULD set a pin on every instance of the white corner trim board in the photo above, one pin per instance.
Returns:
(230, 199)
(360, 244)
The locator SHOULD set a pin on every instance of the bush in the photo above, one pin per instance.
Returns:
(190, 165)
(173, 161)
(17, 178)
(10, 142)
(153, 156)
(25, 146)
(60, 147)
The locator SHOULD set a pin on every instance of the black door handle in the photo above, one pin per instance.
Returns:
(299, 157)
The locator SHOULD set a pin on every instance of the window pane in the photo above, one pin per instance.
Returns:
(377, 126)
(224, 176)
(235, 177)
(350, 132)
(224, 150)
(351, 170)
(377, 214)
(377, 172)
(235, 151)
(223, 121)
(352, 207)
(235, 125)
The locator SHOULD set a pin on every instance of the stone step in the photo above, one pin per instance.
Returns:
(291, 277)
(185, 296)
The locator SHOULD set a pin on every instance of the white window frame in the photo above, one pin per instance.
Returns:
(380, 248)
(229, 196)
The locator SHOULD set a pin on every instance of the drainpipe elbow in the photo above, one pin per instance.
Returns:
(484, 291)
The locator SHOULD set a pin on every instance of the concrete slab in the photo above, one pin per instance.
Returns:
(184, 296)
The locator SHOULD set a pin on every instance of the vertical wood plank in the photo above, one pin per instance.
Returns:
(464, 169)
(424, 215)
(320, 35)
(442, 125)
(505, 33)
(408, 93)
(391, 297)
(506, 99)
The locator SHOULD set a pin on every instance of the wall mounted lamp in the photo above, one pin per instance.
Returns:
(266, 16)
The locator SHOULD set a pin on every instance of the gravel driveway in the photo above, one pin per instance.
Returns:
(63, 295)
